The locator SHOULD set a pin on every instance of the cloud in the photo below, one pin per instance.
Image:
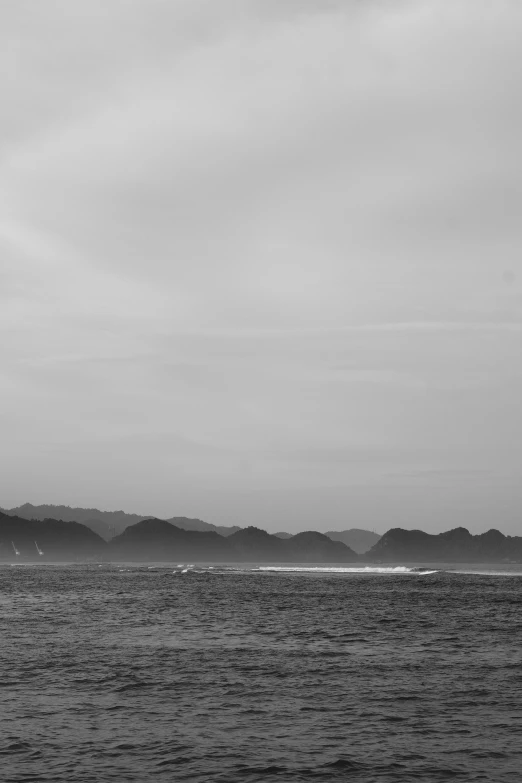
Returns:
(258, 242)
(294, 167)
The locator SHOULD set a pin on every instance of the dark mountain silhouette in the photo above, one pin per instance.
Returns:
(107, 524)
(358, 540)
(58, 540)
(457, 546)
(160, 540)
(113, 521)
(176, 539)
(197, 524)
(313, 547)
(255, 545)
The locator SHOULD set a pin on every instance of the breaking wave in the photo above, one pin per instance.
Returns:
(352, 570)
(483, 572)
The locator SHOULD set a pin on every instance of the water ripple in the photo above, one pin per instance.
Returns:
(248, 675)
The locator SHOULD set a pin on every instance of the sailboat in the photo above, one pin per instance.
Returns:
(38, 549)
(15, 549)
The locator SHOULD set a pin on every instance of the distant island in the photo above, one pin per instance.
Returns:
(454, 546)
(51, 539)
(109, 524)
(157, 539)
(161, 540)
(151, 539)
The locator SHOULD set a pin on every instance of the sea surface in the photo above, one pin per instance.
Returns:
(174, 673)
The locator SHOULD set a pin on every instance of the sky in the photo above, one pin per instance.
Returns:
(261, 260)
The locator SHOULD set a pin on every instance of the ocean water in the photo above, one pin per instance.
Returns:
(128, 673)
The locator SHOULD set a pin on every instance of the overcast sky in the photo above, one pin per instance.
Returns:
(261, 260)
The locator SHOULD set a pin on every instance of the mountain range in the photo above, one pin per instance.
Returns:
(108, 524)
(457, 545)
(160, 540)
(155, 539)
(56, 539)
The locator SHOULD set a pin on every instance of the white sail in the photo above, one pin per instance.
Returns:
(15, 549)
(38, 549)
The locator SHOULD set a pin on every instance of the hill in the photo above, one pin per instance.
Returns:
(251, 544)
(359, 540)
(107, 524)
(454, 546)
(58, 540)
(313, 547)
(186, 523)
(160, 540)
(181, 538)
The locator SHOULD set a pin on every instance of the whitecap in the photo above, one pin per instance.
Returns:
(470, 572)
(348, 570)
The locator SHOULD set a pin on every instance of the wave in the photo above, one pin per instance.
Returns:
(483, 572)
(352, 570)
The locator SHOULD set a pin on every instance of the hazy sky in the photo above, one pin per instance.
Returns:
(261, 260)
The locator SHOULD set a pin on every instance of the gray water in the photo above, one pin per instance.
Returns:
(125, 673)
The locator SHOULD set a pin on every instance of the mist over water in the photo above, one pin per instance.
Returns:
(213, 674)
